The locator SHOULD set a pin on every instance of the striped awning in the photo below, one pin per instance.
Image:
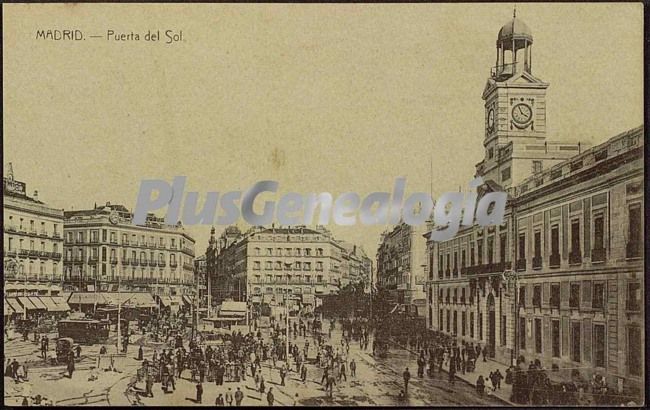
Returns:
(8, 309)
(52, 306)
(36, 301)
(61, 304)
(15, 305)
(27, 303)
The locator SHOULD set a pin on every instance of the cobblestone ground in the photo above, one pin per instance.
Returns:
(378, 382)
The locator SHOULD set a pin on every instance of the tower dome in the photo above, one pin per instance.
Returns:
(515, 29)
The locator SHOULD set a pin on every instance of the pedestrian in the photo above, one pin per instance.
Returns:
(295, 400)
(269, 396)
(149, 386)
(485, 352)
(262, 385)
(140, 353)
(283, 374)
(229, 397)
(199, 392)
(353, 368)
(496, 383)
(70, 365)
(342, 374)
(480, 385)
(407, 377)
(239, 397)
(219, 401)
(303, 373)
(78, 351)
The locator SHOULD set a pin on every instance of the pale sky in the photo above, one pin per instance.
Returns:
(322, 98)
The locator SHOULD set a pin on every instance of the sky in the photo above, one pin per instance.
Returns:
(321, 98)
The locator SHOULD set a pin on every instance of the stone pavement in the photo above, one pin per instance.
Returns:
(482, 368)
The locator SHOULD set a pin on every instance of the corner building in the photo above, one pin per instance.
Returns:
(562, 279)
(103, 246)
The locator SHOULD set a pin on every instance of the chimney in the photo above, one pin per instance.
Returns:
(108, 204)
(35, 194)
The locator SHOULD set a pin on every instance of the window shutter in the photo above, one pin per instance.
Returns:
(529, 295)
(586, 340)
(565, 232)
(564, 295)
(565, 335)
(587, 226)
(546, 294)
(585, 300)
(547, 348)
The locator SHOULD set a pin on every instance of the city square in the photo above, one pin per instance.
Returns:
(125, 284)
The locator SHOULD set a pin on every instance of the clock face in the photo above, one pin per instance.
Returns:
(522, 114)
(490, 120)
(113, 218)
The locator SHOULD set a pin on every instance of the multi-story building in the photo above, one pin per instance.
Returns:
(200, 278)
(33, 241)
(356, 265)
(103, 246)
(270, 264)
(561, 280)
(401, 265)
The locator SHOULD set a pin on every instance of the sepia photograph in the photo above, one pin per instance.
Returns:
(341, 204)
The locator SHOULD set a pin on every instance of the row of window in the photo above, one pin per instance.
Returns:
(11, 245)
(289, 252)
(291, 278)
(581, 334)
(269, 290)
(30, 268)
(94, 255)
(95, 238)
(448, 263)
(23, 225)
(585, 294)
(279, 265)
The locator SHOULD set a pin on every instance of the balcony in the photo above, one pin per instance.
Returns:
(113, 240)
(633, 250)
(23, 253)
(537, 262)
(162, 264)
(153, 263)
(598, 255)
(94, 240)
(33, 232)
(43, 233)
(134, 262)
(188, 266)
(78, 260)
(554, 260)
(56, 255)
(10, 228)
(125, 242)
(113, 260)
(93, 260)
(33, 254)
(188, 251)
(520, 265)
(447, 272)
(56, 235)
(575, 258)
(44, 254)
(11, 253)
(125, 261)
(173, 264)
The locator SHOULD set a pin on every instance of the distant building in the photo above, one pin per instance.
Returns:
(102, 246)
(402, 264)
(267, 265)
(33, 241)
(356, 266)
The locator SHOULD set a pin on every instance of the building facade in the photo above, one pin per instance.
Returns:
(33, 241)
(102, 246)
(271, 265)
(402, 265)
(561, 280)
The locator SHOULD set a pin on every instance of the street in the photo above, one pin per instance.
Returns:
(378, 381)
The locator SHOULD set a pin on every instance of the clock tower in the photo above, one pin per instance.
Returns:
(515, 108)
